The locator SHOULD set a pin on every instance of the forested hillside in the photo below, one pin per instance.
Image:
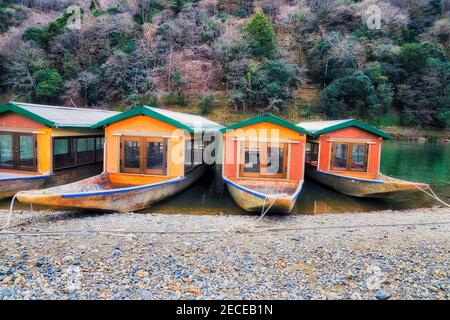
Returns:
(297, 58)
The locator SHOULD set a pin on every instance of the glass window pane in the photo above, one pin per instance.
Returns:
(99, 142)
(81, 144)
(6, 154)
(252, 159)
(26, 151)
(63, 153)
(188, 157)
(156, 156)
(359, 160)
(132, 154)
(275, 160)
(61, 146)
(85, 150)
(90, 144)
(340, 156)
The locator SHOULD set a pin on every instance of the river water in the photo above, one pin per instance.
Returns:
(412, 161)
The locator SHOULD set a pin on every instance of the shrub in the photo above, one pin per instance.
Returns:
(49, 84)
(260, 34)
(412, 56)
(206, 104)
(356, 96)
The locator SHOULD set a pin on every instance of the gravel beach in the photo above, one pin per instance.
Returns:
(376, 255)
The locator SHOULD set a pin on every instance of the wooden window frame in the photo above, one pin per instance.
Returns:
(74, 146)
(349, 159)
(314, 145)
(15, 136)
(143, 155)
(263, 147)
(163, 171)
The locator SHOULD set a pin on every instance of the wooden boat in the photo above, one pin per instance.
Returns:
(254, 185)
(151, 154)
(43, 146)
(345, 155)
(109, 192)
(259, 196)
(12, 183)
(380, 186)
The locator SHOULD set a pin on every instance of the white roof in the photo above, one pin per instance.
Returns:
(314, 126)
(191, 120)
(64, 116)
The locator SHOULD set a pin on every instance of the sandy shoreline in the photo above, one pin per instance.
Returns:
(395, 254)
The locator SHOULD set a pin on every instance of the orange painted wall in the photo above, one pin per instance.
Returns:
(350, 133)
(14, 120)
(145, 126)
(269, 131)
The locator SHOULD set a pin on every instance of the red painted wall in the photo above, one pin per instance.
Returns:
(350, 133)
(296, 156)
(11, 119)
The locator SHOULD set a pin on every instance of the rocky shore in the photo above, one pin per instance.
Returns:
(376, 255)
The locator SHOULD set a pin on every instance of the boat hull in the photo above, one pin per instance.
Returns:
(384, 187)
(119, 200)
(255, 202)
(10, 186)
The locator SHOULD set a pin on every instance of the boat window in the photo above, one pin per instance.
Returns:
(156, 155)
(64, 153)
(85, 150)
(266, 160)
(17, 151)
(99, 146)
(339, 156)
(349, 157)
(312, 152)
(26, 155)
(144, 155)
(6, 151)
(252, 160)
(275, 160)
(359, 160)
(131, 156)
(188, 154)
(70, 152)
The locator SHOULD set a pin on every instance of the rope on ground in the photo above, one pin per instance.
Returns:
(8, 220)
(128, 232)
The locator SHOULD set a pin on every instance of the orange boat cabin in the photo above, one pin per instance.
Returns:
(265, 148)
(147, 145)
(345, 147)
(42, 139)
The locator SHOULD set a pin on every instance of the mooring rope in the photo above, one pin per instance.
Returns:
(432, 194)
(11, 206)
(263, 213)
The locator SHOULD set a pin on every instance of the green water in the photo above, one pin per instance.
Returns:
(418, 162)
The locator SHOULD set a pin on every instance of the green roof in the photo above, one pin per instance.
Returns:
(58, 116)
(320, 127)
(267, 118)
(189, 122)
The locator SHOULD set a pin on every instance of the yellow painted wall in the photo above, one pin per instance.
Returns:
(44, 150)
(57, 132)
(145, 126)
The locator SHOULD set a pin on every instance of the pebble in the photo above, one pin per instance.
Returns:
(311, 263)
(382, 295)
